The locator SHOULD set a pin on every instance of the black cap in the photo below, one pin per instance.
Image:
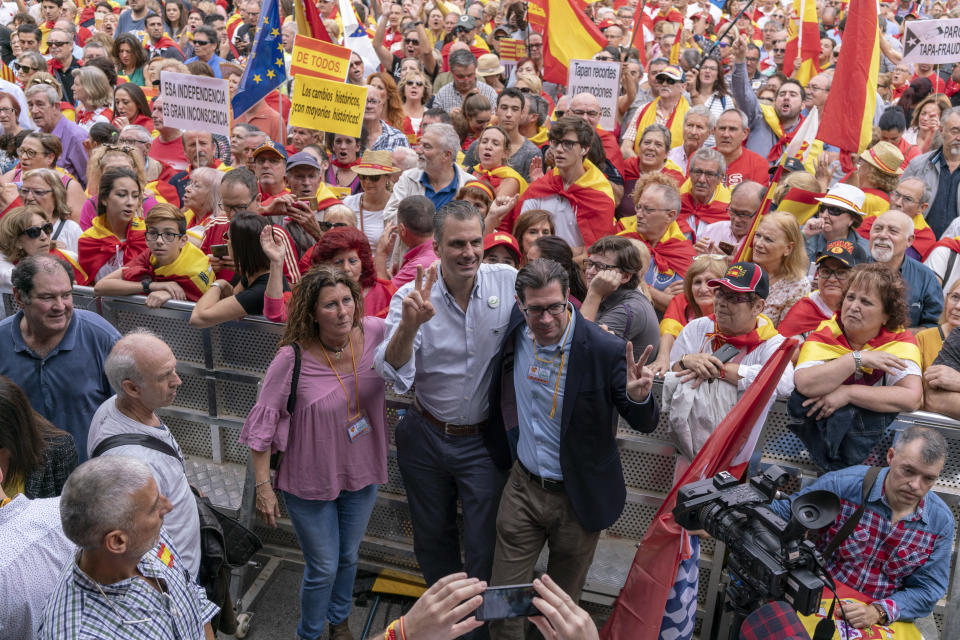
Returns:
(789, 166)
(842, 250)
(745, 277)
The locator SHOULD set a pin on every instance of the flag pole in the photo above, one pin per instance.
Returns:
(716, 42)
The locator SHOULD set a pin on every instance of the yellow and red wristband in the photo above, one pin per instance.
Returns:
(395, 631)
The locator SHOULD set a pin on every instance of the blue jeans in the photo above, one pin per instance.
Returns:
(329, 533)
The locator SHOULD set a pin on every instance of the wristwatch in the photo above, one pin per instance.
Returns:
(858, 361)
(883, 614)
(145, 283)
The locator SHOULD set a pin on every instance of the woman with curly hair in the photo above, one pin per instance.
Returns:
(393, 106)
(130, 57)
(333, 436)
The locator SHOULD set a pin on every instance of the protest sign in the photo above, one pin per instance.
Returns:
(195, 103)
(602, 79)
(931, 41)
(511, 49)
(328, 106)
(319, 59)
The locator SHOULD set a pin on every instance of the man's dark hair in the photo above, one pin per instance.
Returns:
(318, 150)
(106, 65)
(441, 115)
(211, 19)
(245, 229)
(416, 213)
(512, 92)
(934, 444)
(462, 58)
(893, 118)
(30, 28)
(59, 3)
(25, 271)
(753, 47)
(803, 92)
(208, 31)
(458, 210)
(152, 15)
(572, 124)
(23, 18)
(104, 133)
(628, 257)
(241, 175)
(538, 273)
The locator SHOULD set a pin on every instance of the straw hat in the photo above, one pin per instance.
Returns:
(885, 157)
(375, 163)
(489, 65)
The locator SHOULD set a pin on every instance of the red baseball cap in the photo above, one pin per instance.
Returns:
(502, 239)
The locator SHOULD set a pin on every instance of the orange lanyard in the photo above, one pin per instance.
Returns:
(356, 378)
(563, 355)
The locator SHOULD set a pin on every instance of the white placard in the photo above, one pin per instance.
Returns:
(602, 79)
(195, 103)
(932, 41)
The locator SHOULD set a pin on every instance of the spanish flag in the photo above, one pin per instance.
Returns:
(828, 343)
(498, 175)
(309, 21)
(804, 43)
(801, 203)
(191, 270)
(79, 275)
(677, 315)
(99, 245)
(568, 34)
(648, 116)
(165, 555)
(848, 114)
(672, 253)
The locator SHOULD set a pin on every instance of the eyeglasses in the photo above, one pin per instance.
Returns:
(702, 173)
(130, 141)
(746, 215)
(237, 207)
(645, 210)
(554, 309)
(25, 68)
(599, 266)
(59, 44)
(666, 80)
(375, 178)
(326, 226)
(581, 113)
(779, 50)
(27, 154)
(559, 113)
(34, 232)
(840, 276)
(416, 83)
(566, 145)
(535, 46)
(40, 193)
(899, 196)
(730, 297)
(168, 236)
(834, 211)
(7, 109)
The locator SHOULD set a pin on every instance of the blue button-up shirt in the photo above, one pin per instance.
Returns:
(70, 383)
(535, 377)
(453, 352)
(443, 196)
(73, 158)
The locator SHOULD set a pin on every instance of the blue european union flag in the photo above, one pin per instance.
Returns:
(718, 3)
(265, 70)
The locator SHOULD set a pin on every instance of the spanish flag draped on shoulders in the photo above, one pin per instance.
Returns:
(672, 253)
(496, 176)
(694, 216)
(677, 315)
(191, 270)
(591, 198)
(648, 116)
(101, 251)
(828, 343)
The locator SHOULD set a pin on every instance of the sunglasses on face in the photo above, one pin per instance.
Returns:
(665, 80)
(34, 232)
(409, 41)
(326, 226)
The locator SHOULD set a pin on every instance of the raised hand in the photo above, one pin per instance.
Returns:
(536, 168)
(271, 248)
(639, 376)
(498, 210)
(417, 307)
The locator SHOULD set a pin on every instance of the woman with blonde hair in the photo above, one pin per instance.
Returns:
(415, 92)
(26, 231)
(40, 150)
(43, 188)
(924, 129)
(779, 248)
(94, 96)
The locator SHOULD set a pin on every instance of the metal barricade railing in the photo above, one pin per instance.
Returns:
(222, 368)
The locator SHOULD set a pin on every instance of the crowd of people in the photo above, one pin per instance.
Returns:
(485, 245)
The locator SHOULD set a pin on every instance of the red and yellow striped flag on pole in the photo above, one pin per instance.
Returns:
(804, 43)
(568, 35)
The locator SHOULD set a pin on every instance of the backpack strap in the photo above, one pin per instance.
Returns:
(295, 378)
(869, 479)
(140, 439)
(951, 261)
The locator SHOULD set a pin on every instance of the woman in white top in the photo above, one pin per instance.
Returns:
(711, 91)
(374, 170)
(43, 188)
(415, 91)
(94, 97)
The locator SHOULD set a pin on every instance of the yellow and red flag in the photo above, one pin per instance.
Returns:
(642, 31)
(848, 114)
(568, 35)
(804, 43)
(309, 21)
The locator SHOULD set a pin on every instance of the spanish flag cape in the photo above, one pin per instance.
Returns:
(763, 331)
(713, 211)
(773, 121)
(631, 170)
(923, 238)
(805, 315)
(99, 244)
(79, 275)
(541, 137)
(950, 243)
(590, 196)
(678, 314)
(648, 116)
(801, 203)
(611, 148)
(828, 343)
(191, 270)
(496, 176)
(672, 253)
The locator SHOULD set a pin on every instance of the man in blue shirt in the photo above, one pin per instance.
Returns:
(55, 353)
(890, 235)
(134, 17)
(558, 384)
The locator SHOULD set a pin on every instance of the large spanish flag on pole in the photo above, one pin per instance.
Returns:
(848, 114)
(309, 21)
(804, 43)
(569, 35)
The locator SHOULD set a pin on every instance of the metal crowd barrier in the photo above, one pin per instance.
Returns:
(222, 367)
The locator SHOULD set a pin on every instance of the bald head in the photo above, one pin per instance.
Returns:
(586, 106)
(744, 202)
(141, 369)
(890, 236)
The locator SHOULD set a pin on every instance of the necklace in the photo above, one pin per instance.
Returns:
(164, 592)
(337, 351)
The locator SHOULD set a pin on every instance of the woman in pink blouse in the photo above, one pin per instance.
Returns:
(334, 439)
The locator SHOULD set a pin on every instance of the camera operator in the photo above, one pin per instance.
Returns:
(897, 558)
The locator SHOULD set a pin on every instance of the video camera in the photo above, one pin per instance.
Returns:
(769, 557)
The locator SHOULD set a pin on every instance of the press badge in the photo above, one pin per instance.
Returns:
(539, 374)
(358, 427)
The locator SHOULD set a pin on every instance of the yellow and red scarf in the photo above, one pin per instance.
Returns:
(648, 116)
(498, 175)
(763, 331)
(99, 244)
(672, 253)
(675, 318)
(828, 343)
(191, 270)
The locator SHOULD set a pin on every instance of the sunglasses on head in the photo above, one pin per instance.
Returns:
(34, 232)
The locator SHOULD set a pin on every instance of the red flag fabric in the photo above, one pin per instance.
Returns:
(309, 21)
(641, 23)
(639, 608)
(568, 35)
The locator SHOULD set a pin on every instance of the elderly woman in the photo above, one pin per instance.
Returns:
(839, 215)
(43, 188)
(931, 340)
(40, 151)
(9, 114)
(778, 248)
(857, 372)
(832, 275)
(329, 479)
(28, 63)
(26, 231)
(94, 97)
(695, 301)
(35, 456)
(654, 145)
(201, 199)
(116, 235)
